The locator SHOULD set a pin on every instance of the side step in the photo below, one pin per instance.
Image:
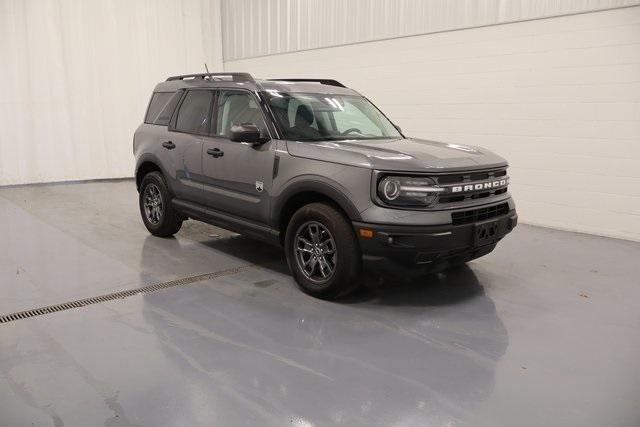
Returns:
(227, 221)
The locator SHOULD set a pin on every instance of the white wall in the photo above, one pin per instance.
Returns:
(559, 98)
(263, 27)
(77, 76)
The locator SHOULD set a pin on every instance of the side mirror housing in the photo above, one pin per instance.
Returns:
(246, 132)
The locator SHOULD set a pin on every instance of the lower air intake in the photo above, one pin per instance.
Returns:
(480, 214)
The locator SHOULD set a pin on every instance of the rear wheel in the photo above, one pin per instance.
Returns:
(323, 252)
(158, 215)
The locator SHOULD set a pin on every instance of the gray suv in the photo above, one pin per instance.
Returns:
(314, 167)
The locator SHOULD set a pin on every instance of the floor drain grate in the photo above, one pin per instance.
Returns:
(119, 295)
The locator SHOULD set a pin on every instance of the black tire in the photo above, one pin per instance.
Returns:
(166, 221)
(346, 275)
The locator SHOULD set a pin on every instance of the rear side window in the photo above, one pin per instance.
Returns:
(161, 107)
(195, 112)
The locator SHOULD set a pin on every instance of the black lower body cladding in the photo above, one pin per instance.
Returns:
(425, 248)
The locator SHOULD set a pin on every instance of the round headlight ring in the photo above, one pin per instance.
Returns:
(391, 188)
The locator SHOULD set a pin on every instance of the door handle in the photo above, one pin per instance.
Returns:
(169, 145)
(215, 152)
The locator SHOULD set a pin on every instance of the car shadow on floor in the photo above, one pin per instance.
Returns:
(448, 287)
(251, 250)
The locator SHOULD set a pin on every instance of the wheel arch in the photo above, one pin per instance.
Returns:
(305, 192)
(146, 164)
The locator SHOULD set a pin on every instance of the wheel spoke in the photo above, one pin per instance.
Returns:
(305, 241)
(315, 251)
(314, 232)
(326, 262)
(306, 245)
(311, 264)
(327, 247)
(322, 265)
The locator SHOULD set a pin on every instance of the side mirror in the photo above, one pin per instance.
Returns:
(246, 132)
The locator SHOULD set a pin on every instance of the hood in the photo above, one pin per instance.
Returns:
(408, 155)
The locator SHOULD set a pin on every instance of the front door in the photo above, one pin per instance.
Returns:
(237, 176)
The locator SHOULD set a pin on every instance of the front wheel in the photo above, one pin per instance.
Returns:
(323, 252)
(158, 215)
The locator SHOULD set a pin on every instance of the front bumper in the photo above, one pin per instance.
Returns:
(430, 246)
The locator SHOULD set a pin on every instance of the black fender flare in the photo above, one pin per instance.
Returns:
(151, 158)
(316, 184)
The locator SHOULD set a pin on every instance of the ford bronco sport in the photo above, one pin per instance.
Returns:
(313, 166)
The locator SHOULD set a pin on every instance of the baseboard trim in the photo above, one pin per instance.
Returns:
(78, 181)
(597, 234)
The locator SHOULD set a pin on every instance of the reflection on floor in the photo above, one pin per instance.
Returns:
(544, 331)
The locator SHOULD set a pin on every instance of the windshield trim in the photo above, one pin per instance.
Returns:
(397, 128)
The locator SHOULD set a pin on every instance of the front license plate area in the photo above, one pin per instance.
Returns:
(486, 233)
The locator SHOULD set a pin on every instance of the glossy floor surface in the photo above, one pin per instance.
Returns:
(544, 331)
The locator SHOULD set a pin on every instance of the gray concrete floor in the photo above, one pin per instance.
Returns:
(544, 331)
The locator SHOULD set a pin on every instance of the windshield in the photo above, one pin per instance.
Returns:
(323, 117)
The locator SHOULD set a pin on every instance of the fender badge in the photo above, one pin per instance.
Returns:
(259, 186)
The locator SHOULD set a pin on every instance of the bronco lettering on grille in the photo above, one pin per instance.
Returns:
(480, 186)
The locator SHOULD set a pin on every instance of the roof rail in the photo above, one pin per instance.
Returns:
(329, 82)
(236, 77)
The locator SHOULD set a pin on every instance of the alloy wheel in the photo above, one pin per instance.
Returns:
(315, 251)
(152, 202)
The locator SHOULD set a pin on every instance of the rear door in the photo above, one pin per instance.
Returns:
(161, 108)
(237, 176)
(188, 125)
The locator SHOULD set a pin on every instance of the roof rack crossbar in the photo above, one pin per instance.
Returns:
(329, 82)
(236, 77)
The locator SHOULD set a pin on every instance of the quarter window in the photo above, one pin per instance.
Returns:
(194, 112)
(161, 107)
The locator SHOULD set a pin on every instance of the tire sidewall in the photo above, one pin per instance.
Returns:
(164, 223)
(348, 259)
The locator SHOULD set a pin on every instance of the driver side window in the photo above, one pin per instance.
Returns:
(237, 107)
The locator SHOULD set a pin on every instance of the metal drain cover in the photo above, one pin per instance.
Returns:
(119, 295)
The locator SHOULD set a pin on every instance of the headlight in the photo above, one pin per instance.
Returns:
(407, 191)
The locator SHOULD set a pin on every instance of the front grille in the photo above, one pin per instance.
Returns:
(476, 176)
(448, 199)
(480, 214)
